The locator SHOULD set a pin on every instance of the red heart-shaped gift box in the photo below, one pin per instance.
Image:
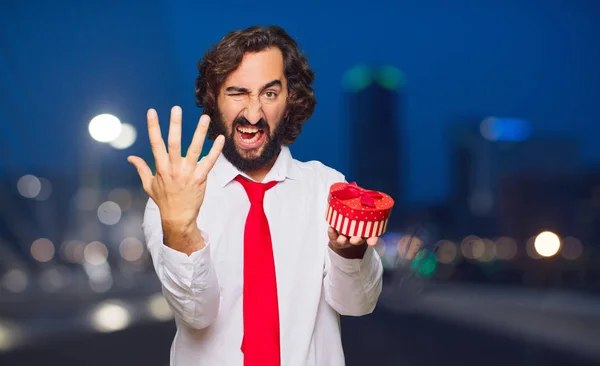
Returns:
(354, 211)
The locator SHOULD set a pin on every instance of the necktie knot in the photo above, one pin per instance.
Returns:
(255, 191)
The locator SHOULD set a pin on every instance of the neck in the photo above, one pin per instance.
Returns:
(260, 174)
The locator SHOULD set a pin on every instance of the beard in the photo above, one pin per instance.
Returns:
(270, 148)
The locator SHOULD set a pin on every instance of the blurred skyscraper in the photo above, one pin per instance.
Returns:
(376, 152)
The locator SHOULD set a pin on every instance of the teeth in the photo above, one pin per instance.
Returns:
(247, 129)
(254, 137)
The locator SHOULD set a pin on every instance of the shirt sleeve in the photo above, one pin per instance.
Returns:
(189, 283)
(352, 286)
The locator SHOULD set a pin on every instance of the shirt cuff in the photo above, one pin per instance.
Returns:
(179, 262)
(351, 265)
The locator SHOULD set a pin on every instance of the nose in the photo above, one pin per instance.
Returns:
(254, 111)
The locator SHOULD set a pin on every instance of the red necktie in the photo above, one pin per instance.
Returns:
(260, 344)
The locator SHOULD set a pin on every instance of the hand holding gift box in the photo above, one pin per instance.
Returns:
(356, 212)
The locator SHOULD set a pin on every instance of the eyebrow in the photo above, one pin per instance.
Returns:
(239, 89)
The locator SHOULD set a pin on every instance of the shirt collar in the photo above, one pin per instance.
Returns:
(283, 168)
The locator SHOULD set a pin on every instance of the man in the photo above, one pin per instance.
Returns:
(254, 281)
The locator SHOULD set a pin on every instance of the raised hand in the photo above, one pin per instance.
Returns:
(180, 182)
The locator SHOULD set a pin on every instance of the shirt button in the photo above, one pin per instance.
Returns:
(201, 262)
(188, 267)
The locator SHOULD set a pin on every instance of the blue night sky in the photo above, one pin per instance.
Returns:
(60, 65)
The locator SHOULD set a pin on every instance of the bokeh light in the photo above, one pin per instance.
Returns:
(159, 308)
(29, 186)
(408, 246)
(489, 253)
(9, 335)
(505, 248)
(131, 249)
(45, 190)
(390, 77)
(105, 128)
(42, 250)
(572, 248)
(547, 244)
(357, 78)
(505, 129)
(472, 247)
(126, 137)
(121, 197)
(95, 253)
(424, 263)
(72, 251)
(109, 213)
(110, 317)
(15, 280)
(447, 252)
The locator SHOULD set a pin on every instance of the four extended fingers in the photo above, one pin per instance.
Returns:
(163, 156)
(172, 155)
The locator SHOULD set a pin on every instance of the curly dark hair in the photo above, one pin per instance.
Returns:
(225, 57)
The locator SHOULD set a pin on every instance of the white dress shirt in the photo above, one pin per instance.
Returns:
(314, 284)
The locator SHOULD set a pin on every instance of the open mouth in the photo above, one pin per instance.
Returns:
(250, 137)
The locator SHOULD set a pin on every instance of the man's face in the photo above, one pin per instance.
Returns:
(251, 105)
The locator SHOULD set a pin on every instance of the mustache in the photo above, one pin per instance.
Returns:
(243, 122)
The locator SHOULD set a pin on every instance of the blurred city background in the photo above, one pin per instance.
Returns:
(480, 117)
